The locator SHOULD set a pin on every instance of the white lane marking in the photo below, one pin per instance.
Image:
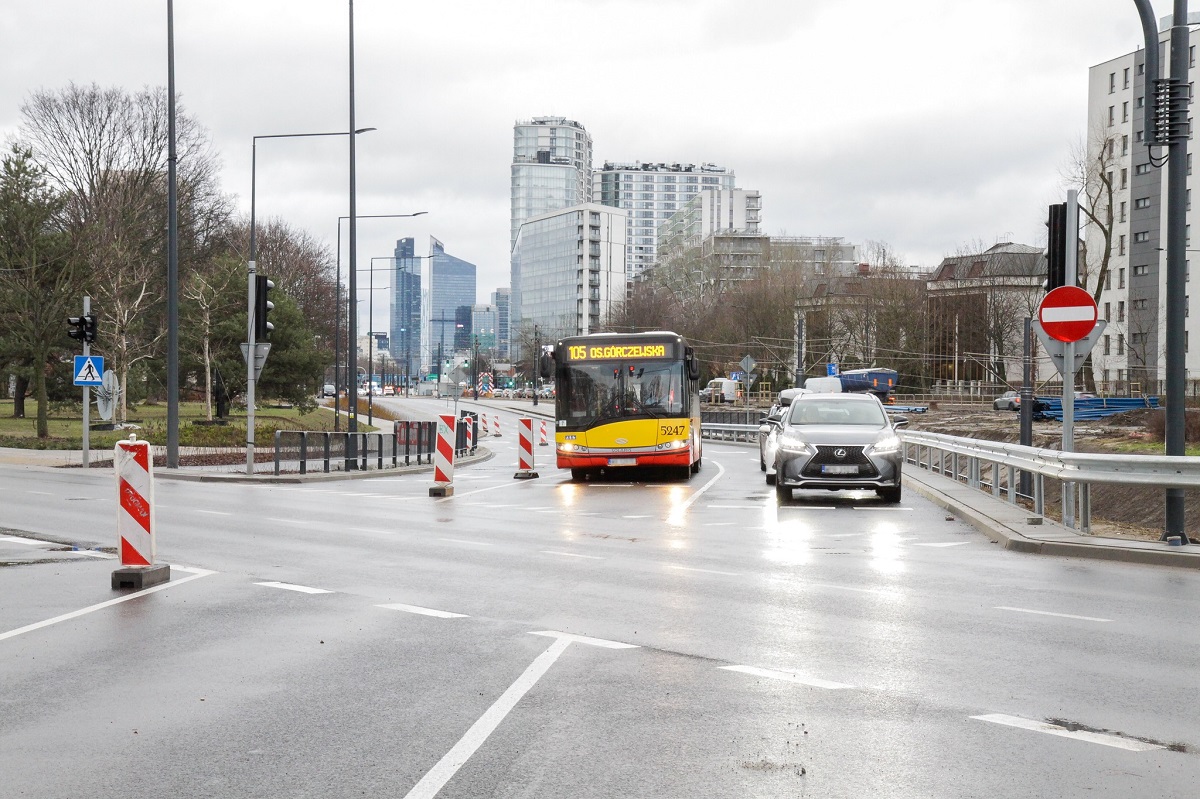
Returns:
(480, 491)
(881, 508)
(196, 575)
(304, 589)
(702, 571)
(213, 512)
(733, 507)
(441, 614)
(721, 524)
(881, 591)
(569, 554)
(286, 521)
(945, 544)
(433, 781)
(583, 639)
(786, 677)
(463, 541)
(1079, 735)
(635, 517)
(40, 493)
(1048, 613)
(541, 507)
(690, 500)
(91, 553)
(33, 542)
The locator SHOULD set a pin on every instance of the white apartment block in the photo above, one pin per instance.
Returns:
(652, 193)
(1131, 353)
(708, 215)
(572, 271)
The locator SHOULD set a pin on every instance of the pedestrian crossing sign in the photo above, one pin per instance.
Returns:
(89, 370)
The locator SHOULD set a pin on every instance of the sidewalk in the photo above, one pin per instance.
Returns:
(1022, 530)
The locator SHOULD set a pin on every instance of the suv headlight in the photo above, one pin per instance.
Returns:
(791, 442)
(886, 445)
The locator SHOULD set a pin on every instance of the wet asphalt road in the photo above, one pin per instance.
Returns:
(716, 645)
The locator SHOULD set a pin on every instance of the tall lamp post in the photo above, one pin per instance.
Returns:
(337, 364)
(371, 332)
(251, 273)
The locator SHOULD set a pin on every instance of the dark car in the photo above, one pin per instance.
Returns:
(839, 442)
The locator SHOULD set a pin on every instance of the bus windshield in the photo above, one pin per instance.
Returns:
(595, 392)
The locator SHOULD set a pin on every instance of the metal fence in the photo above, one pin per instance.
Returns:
(996, 468)
(410, 443)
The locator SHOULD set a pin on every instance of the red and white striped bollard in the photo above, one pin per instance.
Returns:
(135, 517)
(525, 450)
(543, 442)
(443, 458)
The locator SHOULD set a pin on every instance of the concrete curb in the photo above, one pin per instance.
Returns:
(1021, 530)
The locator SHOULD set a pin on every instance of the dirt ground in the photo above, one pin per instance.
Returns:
(1124, 511)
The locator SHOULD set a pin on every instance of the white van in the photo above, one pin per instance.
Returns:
(723, 389)
(824, 385)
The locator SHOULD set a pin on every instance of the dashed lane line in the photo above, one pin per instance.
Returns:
(1049, 613)
(569, 554)
(194, 574)
(464, 541)
(786, 676)
(303, 589)
(944, 544)
(439, 614)
(702, 571)
(1103, 739)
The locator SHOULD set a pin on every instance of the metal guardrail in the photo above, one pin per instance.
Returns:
(996, 467)
(729, 432)
(409, 443)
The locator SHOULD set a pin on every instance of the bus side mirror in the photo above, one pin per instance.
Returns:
(693, 366)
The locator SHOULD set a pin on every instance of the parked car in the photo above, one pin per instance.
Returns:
(328, 390)
(1008, 401)
(838, 442)
(389, 391)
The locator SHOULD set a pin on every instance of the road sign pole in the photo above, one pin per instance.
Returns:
(87, 391)
(1071, 278)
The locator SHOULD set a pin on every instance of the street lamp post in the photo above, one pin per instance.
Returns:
(251, 274)
(371, 336)
(337, 364)
(537, 362)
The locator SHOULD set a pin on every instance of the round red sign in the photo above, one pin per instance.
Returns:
(1068, 313)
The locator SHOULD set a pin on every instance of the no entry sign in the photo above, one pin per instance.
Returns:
(1068, 313)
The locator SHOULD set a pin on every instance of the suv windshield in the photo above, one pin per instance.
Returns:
(595, 392)
(836, 411)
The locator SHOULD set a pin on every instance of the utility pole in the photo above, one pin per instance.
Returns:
(537, 362)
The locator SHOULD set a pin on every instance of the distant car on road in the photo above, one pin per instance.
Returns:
(838, 442)
(1008, 401)
(328, 390)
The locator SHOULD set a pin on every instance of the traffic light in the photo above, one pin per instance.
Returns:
(83, 327)
(262, 307)
(1056, 247)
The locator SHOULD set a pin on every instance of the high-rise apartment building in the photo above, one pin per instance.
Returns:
(551, 170)
(573, 269)
(405, 333)
(1130, 354)
(651, 193)
(450, 298)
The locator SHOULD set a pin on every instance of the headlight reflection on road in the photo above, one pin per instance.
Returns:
(789, 543)
(676, 497)
(569, 493)
(886, 549)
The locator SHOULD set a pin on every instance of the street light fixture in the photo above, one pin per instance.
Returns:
(251, 273)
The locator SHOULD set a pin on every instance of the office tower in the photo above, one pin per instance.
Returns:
(451, 288)
(573, 270)
(500, 299)
(406, 305)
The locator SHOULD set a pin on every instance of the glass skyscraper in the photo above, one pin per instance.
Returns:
(406, 309)
(451, 297)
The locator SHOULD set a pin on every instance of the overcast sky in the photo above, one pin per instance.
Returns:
(927, 124)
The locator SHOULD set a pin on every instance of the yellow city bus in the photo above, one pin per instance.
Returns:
(625, 400)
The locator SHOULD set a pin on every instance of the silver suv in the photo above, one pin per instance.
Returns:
(837, 442)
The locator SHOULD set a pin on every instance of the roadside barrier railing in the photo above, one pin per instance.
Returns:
(409, 442)
(729, 432)
(995, 467)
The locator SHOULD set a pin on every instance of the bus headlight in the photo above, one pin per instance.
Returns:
(567, 446)
(670, 445)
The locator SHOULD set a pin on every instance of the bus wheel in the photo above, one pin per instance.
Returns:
(578, 475)
(696, 465)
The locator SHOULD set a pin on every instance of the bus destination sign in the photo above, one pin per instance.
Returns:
(613, 352)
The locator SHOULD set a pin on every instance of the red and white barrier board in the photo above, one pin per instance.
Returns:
(135, 502)
(525, 450)
(469, 424)
(543, 442)
(443, 457)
